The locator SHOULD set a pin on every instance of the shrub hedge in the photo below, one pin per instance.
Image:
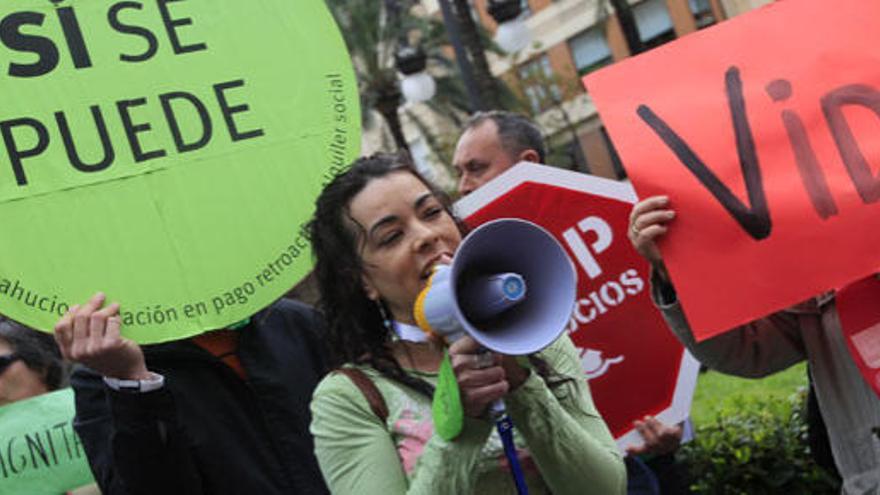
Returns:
(757, 446)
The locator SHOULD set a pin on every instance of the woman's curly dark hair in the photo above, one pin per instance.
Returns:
(356, 331)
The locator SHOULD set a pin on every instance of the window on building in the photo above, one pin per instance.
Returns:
(589, 50)
(655, 25)
(702, 10)
(524, 4)
(538, 84)
(564, 151)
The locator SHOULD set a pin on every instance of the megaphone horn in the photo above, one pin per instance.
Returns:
(510, 286)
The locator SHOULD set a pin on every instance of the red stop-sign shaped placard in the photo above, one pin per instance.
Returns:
(635, 365)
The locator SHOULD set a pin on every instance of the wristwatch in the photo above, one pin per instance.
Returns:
(154, 382)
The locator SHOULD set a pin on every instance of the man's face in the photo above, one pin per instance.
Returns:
(479, 157)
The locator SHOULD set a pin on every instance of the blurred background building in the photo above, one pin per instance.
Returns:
(568, 39)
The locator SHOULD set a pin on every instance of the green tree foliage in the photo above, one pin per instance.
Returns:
(372, 34)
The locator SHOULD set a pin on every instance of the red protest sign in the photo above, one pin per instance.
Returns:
(634, 364)
(762, 131)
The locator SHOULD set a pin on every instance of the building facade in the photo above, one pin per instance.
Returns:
(571, 38)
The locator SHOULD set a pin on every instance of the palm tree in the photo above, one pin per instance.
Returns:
(366, 32)
(486, 84)
(373, 31)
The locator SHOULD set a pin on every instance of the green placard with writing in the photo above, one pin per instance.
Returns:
(39, 452)
(166, 152)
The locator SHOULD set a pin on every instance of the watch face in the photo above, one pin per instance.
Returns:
(154, 382)
(131, 386)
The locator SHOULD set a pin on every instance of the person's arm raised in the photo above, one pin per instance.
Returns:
(132, 438)
(755, 349)
(90, 335)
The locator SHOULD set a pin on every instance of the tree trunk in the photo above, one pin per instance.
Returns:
(628, 26)
(453, 31)
(387, 105)
(470, 38)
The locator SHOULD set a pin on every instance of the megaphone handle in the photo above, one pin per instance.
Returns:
(505, 430)
(498, 412)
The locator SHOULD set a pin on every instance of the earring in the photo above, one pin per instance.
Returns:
(386, 321)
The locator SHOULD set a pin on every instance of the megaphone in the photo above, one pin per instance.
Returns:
(510, 286)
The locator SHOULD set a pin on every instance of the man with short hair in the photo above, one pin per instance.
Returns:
(493, 142)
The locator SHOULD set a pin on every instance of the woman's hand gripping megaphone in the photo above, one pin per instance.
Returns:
(483, 377)
(471, 378)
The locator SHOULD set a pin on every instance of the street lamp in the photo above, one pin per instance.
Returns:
(512, 34)
(417, 85)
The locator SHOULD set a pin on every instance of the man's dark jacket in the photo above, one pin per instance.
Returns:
(207, 431)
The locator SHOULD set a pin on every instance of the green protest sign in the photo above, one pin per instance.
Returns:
(39, 452)
(166, 152)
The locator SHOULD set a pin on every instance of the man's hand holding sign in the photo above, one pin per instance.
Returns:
(757, 169)
(648, 222)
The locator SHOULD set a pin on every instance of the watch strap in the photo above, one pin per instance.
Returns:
(154, 382)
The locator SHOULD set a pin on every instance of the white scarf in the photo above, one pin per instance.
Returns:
(410, 333)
